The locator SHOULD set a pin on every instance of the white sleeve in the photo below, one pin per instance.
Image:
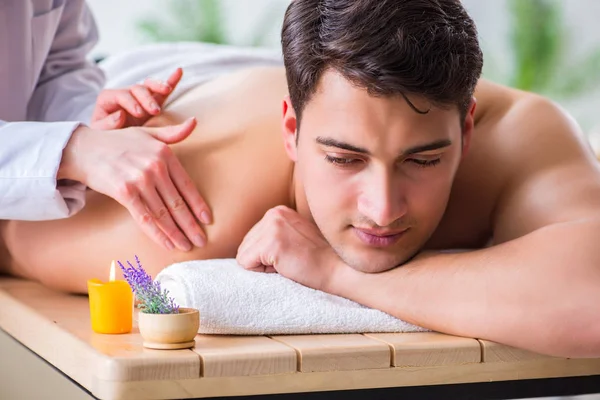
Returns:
(30, 154)
(69, 84)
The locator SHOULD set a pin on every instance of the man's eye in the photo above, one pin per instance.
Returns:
(340, 160)
(424, 163)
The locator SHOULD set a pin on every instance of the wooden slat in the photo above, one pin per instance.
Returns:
(347, 380)
(243, 356)
(130, 361)
(337, 352)
(422, 349)
(56, 326)
(496, 352)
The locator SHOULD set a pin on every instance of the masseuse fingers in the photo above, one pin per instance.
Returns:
(106, 103)
(178, 209)
(189, 192)
(175, 77)
(163, 218)
(172, 82)
(129, 103)
(173, 133)
(145, 99)
(158, 87)
(145, 220)
(115, 120)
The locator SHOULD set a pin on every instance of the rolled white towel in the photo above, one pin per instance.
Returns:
(235, 301)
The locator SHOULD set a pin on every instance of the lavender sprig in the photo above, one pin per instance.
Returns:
(153, 300)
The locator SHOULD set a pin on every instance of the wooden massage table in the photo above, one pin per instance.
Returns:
(48, 350)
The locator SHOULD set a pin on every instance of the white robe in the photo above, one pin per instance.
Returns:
(44, 78)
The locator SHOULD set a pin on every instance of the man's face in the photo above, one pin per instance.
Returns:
(375, 174)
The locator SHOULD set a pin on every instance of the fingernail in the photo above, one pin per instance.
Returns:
(138, 110)
(154, 107)
(117, 116)
(185, 246)
(205, 218)
(198, 240)
(169, 245)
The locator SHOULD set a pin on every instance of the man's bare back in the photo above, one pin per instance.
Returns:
(236, 159)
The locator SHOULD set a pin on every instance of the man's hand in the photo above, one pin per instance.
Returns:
(137, 168)
(122, 108)
(284, 242)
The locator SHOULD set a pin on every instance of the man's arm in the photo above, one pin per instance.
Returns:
(69, 83)
(540, 292)
(539, 288)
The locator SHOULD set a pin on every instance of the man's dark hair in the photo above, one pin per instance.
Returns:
(388, 47)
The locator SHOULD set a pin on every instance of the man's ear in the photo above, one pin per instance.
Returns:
(468, 127)
(289, 129)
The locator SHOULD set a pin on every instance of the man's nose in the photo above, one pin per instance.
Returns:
(383, 201)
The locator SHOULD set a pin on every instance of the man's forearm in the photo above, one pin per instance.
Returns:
(540, 292)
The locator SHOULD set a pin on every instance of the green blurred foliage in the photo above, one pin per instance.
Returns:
(186, 20)
(543, 62)
(200, 21)
(539, 42)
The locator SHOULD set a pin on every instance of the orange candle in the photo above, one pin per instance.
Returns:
(111, 304)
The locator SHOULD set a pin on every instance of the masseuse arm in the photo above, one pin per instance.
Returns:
(68, 82)
(63, 89)
(539, 289)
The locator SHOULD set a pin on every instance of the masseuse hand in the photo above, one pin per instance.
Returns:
(137, 168)
(285, 242)
(122, 108)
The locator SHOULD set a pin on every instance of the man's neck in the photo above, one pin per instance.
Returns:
(298, 196)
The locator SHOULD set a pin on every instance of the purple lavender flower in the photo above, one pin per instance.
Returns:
(152, 299)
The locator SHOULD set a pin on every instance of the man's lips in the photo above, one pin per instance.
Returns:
(378, 237)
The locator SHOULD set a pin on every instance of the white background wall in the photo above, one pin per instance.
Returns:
(117, 21)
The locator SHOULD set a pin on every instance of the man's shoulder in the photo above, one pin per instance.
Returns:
(515, 122)
(548, 167)
(504, 104)
(528, 166)
(532, 131)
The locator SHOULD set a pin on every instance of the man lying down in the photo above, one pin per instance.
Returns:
(358, 171)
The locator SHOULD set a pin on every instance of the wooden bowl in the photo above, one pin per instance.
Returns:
(169, 331)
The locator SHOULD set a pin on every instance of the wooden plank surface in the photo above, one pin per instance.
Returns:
(57, 327)
(348, 380)
(128, 360)
(337, 352)
(492, 352)
(427, 349)
(243, 356)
